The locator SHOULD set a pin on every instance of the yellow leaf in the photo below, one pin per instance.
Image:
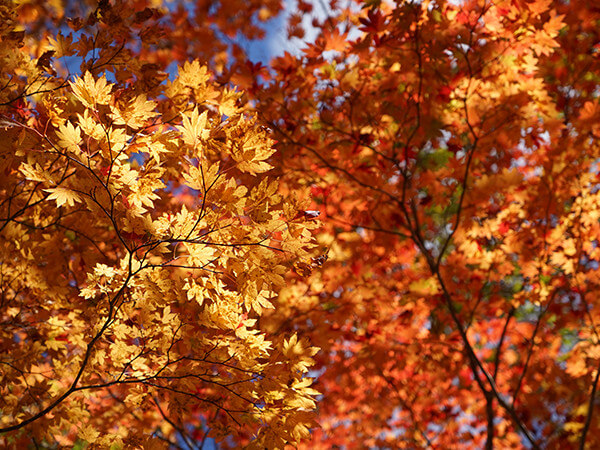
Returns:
(63, 46)
(227, 103)
(202, 177)
(135, 397)
(34, 173)
(89, 125)
(200, 255)
(135, 113)
(192, 74)
(426, 286)
(90, 92)
(69, 136)
(193, 128)
(63, 195)
(53, 344)
(88, 434)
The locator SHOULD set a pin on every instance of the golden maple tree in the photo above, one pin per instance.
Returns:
(141, 242)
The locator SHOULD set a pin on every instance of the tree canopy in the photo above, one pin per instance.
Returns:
(386, 239)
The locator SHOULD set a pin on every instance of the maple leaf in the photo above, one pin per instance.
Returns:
(63, 46)
(193, 128)
(193, 74)
(334, 40)
(63, 196)
(538, 7)
(69, 136)
(89, 434)
(91, 92)
(374, 21)
(134, 113)
(34, 173)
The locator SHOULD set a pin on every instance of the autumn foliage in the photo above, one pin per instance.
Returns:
(141, 242)
(388, 239)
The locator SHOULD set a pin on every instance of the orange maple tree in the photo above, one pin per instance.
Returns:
(451, 148)
(163, 279)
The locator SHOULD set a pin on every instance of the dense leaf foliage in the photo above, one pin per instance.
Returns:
(164, 280)
(141, 242)
(451, 147)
